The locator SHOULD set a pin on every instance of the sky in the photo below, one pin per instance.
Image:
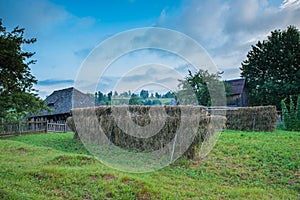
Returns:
(68, 32)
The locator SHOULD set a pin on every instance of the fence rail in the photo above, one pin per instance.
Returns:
(32, 127)
(55, 127)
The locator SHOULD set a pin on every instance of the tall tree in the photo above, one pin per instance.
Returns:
(272, 69)
(144, 94)
(157, 95)
(116, 94)
(16, 81)
(168, 94)
(109, 95)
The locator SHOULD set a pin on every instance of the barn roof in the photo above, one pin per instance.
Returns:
(237, 85)
(62, 101)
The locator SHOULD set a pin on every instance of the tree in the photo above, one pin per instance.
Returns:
(124, 94)
(144, 94)
(116, 94)
(135, 100)
(272, 69)
(157, 95)
(109, 95)
(291, 115)
(197, 85)
(16, 81)
(168, 94)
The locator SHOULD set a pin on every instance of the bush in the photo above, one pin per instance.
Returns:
(291, 116)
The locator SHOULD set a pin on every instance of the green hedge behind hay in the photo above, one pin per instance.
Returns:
(259, 118)
(174, 118)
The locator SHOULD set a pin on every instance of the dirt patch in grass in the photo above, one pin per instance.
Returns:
(109, 196)
(86, 197)
(71, 160)
(144, 195)
(23, 149)
(94, 178)
(109, 177)
(126, 180)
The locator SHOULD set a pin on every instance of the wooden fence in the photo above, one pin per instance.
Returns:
(56, 127)
(32, 127)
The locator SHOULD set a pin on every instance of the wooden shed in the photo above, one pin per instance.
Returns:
(238, 96)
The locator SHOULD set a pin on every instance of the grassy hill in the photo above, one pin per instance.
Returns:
(243, 165)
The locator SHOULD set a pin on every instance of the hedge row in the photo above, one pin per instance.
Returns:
(188, 124)
(259, 118)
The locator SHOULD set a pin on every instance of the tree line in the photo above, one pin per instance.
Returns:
(142, 98)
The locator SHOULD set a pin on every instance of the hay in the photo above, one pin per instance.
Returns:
(114, 122)
(259, 118)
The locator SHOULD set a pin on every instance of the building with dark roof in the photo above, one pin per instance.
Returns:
(238, 97)
(61, 102)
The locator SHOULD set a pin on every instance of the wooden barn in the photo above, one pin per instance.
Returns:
(61, 102)
(239, 94)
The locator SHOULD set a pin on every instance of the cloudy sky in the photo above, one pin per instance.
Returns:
(67, 32)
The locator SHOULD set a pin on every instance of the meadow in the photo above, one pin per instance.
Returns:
(242, 165)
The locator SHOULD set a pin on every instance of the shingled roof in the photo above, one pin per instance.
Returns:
(62, 101)
(237, 85)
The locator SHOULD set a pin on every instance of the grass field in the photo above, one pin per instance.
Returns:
(243, 165)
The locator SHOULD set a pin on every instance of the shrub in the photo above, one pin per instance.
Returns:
(291, 116)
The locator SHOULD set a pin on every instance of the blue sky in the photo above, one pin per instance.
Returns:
(67, 31)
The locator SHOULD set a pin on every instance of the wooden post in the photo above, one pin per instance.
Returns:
(47, 126)
(19, 128)
(174, 146)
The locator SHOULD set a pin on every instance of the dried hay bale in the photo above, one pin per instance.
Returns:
(174, 118)
(258, 118)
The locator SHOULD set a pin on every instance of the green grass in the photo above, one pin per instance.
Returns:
(243, 165)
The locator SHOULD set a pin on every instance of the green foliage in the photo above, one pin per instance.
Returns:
(151, 102)
(169, 94)
(157, 95)
(272, 69)
(135, 100)
(144, 94)
(16, 81)
(243, 165)
(202, 85)
(291, 116)
(128, 98)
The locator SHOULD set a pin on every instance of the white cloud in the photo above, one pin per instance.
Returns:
(162, 17)
(204, 21)
(34, 15)
(225, 28)
(290, 3)
(244, 12)
(150, 77)
(228, 28)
